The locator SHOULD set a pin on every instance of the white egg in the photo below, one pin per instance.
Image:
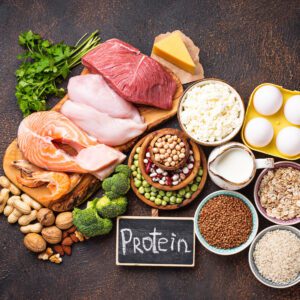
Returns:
(267, 100)
(292, 110)
(259, 132)
(288, 141)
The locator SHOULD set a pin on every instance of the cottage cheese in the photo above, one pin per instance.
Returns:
(210, 112)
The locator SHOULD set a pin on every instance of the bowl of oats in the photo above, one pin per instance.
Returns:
(277, 193)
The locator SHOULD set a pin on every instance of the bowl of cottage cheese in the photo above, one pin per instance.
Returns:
(211, 112)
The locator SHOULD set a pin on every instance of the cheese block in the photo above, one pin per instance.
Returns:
(173, 49)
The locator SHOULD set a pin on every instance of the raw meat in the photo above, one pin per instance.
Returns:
(134, 76)
(39, 133)
(107, 130)
(92, 90)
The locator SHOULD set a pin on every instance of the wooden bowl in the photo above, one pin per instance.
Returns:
(170, 206)
(182, 184)
(162, 133)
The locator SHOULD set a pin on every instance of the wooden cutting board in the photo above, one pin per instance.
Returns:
(88, 184)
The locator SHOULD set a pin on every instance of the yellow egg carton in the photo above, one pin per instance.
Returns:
(278, 121)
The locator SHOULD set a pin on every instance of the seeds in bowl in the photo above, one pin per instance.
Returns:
(276, 256)
(279, 193)
(169, 150)
(211, 112)
(225, 222)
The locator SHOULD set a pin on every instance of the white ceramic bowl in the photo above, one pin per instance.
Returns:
(241, 117)
(253, 267)
(230, 251)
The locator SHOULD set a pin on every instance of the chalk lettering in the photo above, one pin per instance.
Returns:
(162, 241)
(147, 238)
(136, 244)
(124, 240)
(154, 234)
(186, 245)
(173, 240)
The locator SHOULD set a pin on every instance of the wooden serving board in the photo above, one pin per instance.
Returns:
(170, 206)
(88, 184)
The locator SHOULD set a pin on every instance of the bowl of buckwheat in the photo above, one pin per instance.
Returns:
(277, 193)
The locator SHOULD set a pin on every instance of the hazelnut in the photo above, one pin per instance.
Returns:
(34, 242)
(64, 220)
(52, 234)
(46, 217)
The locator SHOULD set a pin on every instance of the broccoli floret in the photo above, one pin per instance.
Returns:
(89, 223)
(92, 203)
(111, 208)
(124, 169)
(116, 186)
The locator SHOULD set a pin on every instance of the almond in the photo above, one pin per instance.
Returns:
(65, 234)
(72, 229)
(59, 249)
(67, 249)
(74, 238)
(67, 241)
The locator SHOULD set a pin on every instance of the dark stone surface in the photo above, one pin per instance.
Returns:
(243, 42)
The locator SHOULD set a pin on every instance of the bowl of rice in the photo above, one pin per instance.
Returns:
(211, 112)
(274, 256)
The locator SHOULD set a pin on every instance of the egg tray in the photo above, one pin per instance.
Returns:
(277, 120)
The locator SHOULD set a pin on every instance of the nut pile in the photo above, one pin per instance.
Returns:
(169, 178)
(225, 222)
(39, 224)
(169, 150)
(279, 193)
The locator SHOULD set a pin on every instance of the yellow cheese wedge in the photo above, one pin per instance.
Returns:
(173, 49)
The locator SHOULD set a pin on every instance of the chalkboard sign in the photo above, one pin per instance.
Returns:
(155, 241)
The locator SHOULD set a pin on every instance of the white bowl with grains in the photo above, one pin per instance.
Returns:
(274, 256)
(211, 112)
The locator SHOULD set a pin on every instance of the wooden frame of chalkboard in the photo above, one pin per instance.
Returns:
(158, 219)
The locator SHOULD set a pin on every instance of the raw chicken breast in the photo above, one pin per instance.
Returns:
(108, 130)
(92, 90)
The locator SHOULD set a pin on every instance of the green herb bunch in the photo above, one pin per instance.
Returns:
(44, 65)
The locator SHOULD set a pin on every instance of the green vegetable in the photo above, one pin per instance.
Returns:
(108, 208)
(89, 223)
(43, 66)
(92, 203)
(116, 186)
(123, 169)
(137, 183)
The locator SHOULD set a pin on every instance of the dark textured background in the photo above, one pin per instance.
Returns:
(243, 42)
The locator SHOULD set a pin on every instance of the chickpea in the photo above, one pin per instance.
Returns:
(173, 163)
(157, 157)
(168, 136)
(174, 152)
(172, 146)
(162, 151)
(177, 147)
(169, 159)
(175, 157)
(169, 151)
(155, 150)
(182, 150)
(182, 144)
(158, 145)
(161, 156)
(159, 140)
(166, 146)
(181, 155)
(167, 164)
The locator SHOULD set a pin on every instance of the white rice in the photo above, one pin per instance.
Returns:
(277, 256)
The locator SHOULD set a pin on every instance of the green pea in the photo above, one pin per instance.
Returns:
(134, 173)
(146, 184)
(161, 192)
(139, 176)
(198, 179)
(136, 156)
(200, 172)
(187, 189)
(133, 167)
(157, 201)
(153, 189)
(178, 200)
(188, 195)
(166, 198)
(138, 149)
(169, 194)
(164, 203)
(159, 196)
(141, 190)
(148, 190)
(137, 183)
(181, 192)
(152, 193)
(136, 163)
(194, 187)
(152, 198)
(173, 198)
(138, 170)
(173, 201)
(147, 195)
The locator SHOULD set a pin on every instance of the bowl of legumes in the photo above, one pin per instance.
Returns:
(211, 112)
(277, 193)
(226, 222)
(274, 256)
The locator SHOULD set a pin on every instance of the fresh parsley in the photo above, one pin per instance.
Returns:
(44, 65)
